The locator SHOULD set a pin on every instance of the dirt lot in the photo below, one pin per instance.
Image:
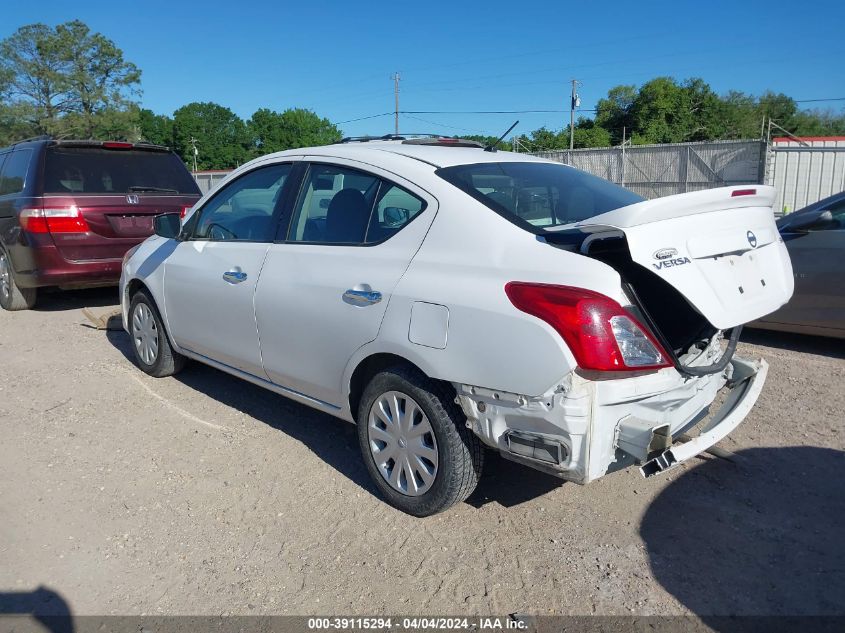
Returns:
(203, 494)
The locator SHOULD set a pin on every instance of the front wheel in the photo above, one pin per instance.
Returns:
(415, 443)
(152, 348)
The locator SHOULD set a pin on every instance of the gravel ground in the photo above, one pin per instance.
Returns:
(202, 494)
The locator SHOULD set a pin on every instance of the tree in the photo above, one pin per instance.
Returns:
(588, 134)
(155, 128)
(221, 136)
(68, 81)
(102, 84)
(739, 116)
(614, 112)
(273, 131)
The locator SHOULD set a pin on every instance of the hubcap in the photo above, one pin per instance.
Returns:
(402, 443)
(145, 333)
(5, 277)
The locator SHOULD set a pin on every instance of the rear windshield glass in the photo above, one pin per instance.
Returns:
(95, 170)
(537, 196)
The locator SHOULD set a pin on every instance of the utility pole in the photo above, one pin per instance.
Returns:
(195, 152)
(574, 103)
(396, 79)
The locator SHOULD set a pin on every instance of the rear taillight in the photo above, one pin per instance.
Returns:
(743, 192)
(56, 220)
(184, 210)
(602, 335)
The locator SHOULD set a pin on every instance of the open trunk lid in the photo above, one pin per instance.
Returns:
(719, 248)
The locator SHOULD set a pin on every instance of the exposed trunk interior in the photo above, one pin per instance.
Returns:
(679, 323)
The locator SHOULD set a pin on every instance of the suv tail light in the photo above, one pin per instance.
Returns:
(56, 220)
(602, 335)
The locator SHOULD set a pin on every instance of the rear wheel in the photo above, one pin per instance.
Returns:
(152, 348)
(415, 443)
(12, 297)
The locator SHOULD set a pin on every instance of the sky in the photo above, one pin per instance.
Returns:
(338, 58)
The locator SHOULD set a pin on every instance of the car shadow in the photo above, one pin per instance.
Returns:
(509, 484)
(805, 343)
(54, 300)
(333, 440)
(44, 605)
(760, 537)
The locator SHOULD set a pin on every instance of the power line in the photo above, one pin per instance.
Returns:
(481, 111)
(452, 127)
(818, 100)
(363, 118)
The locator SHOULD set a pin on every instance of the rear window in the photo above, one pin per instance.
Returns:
(96, 170)
(537, 196)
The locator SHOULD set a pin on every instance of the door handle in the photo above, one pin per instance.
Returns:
(361, 297)
(234, 276)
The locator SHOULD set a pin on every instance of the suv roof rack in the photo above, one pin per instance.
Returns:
(383, 137)
(40, 137)
(111, 144)
(415, 138)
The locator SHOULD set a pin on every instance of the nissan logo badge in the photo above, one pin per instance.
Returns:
(665, 253)
(752, 239)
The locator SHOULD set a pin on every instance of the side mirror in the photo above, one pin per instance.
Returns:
(811, 221)
(395, 216)
(167, 225)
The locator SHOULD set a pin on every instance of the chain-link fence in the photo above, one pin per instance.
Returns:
(662, 170)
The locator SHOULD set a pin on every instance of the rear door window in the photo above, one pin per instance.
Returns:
(94, 170)
(15, 171)
(338, 205)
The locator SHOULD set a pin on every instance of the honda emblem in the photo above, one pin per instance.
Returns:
(132, 198)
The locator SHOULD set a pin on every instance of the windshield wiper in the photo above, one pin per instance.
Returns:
(142, 188)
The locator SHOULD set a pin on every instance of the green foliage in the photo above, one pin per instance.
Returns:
(221, 136)
(274, 131)
(665, 111)
(155, 128)
(68, 82)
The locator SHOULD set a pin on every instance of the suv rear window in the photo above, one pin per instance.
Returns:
(97, 170)
(537, 196)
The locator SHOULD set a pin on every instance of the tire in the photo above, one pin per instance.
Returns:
(448, 455)
(13, 297)
(150, 343)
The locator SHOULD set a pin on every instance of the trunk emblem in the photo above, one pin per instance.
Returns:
(132, 198)
(665, 253)
(752, 239)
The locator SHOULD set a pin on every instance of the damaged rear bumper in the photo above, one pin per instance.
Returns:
(746, 384)
(583, 429)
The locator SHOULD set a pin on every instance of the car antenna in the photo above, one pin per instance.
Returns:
(492, 146)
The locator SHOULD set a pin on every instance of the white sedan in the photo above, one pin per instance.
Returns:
(447, 298)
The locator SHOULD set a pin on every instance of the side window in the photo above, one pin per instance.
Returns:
(243, 209)
(396, 207)
(344, 206)
(334, 206)
(15, 168)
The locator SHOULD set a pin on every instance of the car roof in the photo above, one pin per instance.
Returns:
(384, 152)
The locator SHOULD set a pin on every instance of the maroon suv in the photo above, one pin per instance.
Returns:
(69, 210)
